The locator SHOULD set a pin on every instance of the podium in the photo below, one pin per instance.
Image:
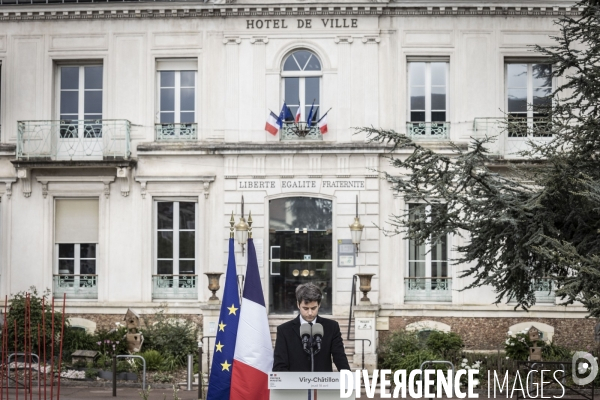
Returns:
(305, 386)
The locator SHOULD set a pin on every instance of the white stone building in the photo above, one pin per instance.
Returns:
(131, 130)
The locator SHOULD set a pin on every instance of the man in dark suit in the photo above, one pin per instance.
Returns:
(289, 354)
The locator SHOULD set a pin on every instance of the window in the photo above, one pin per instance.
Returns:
(76, 245)
(428, 91)
(528, 92)
(176, 239)
(77, 258)
(428, 277)
(80, 101)
(177, 99)
(302, 83)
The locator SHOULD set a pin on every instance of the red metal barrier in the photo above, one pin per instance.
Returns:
(10, 367)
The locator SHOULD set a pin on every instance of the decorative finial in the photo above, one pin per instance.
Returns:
(250, 225)
(232, 223)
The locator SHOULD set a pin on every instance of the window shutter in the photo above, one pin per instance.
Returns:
(76, 221)
(181, 64)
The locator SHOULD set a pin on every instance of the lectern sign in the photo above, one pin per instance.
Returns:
(304, 380)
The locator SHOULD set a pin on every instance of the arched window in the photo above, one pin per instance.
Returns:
(301, 76)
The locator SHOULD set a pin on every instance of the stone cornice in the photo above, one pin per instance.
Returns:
(159, 10)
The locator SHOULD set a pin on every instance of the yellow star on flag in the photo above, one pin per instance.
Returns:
(232, 309)
(222, 326)
(219, 346)
(225, 366)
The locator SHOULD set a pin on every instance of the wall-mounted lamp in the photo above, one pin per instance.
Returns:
(243, 230)
(356, 229)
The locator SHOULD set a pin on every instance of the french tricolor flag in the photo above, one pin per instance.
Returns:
(298, 114)
(322, 124)
(253, 357)
(273, 124)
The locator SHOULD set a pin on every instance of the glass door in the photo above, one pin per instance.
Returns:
(300, 250)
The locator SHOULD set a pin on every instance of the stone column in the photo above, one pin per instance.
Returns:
(259, 84)
(232, 88)
(344, 88)
(365, 318)
(371, 82)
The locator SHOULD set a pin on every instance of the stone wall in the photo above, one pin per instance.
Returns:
(490, 333)
(109, 321)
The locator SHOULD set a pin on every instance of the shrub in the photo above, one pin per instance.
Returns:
(517, 347)
(154, 360)
(446, 345)
(171, 363)
(408, 350)
(40, 318)
(400, 342)
(77, 339)
(400, 345)
(91, 373)
(123, 366)
(170, 337)
(554, 352)
(111, 342)
(104, 361)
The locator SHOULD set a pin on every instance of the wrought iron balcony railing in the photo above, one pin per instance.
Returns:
(437, 289)
(299, 131)
(544, 291)
(174, 286)
(83, 286)
(428, 130)
(74, 139)
(512, 135)
(180, 132)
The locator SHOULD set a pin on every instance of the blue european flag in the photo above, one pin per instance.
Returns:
(219, 384)
(309, 119)
(285, 115)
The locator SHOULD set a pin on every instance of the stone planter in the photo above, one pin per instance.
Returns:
(131, 376)
(365, 287)
(105, 375)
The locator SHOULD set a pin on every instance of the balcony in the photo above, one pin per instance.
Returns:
(424, 289)
(176, 132)
(512, 135)
(428, 131)
(75, 286)
(73, 140)
(175, 287)
(292, 131)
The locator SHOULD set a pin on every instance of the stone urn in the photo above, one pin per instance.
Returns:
(213, 284)
(365, 286)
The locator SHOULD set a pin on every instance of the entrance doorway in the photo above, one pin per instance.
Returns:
(300, 250)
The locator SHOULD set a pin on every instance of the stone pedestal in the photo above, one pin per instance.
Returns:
(365, 318)
(210, 320)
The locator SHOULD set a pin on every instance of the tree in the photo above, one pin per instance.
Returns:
(524, 221)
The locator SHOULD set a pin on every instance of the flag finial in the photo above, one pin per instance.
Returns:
(250, 224)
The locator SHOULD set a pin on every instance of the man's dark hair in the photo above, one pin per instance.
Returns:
(308, 292)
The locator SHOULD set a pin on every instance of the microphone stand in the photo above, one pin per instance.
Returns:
(312, 352)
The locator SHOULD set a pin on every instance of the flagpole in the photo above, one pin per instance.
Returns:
(330, 108)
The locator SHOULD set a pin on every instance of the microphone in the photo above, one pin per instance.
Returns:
(317, 332)
(305, 335)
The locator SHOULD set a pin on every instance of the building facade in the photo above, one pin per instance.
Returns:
(131, 131)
